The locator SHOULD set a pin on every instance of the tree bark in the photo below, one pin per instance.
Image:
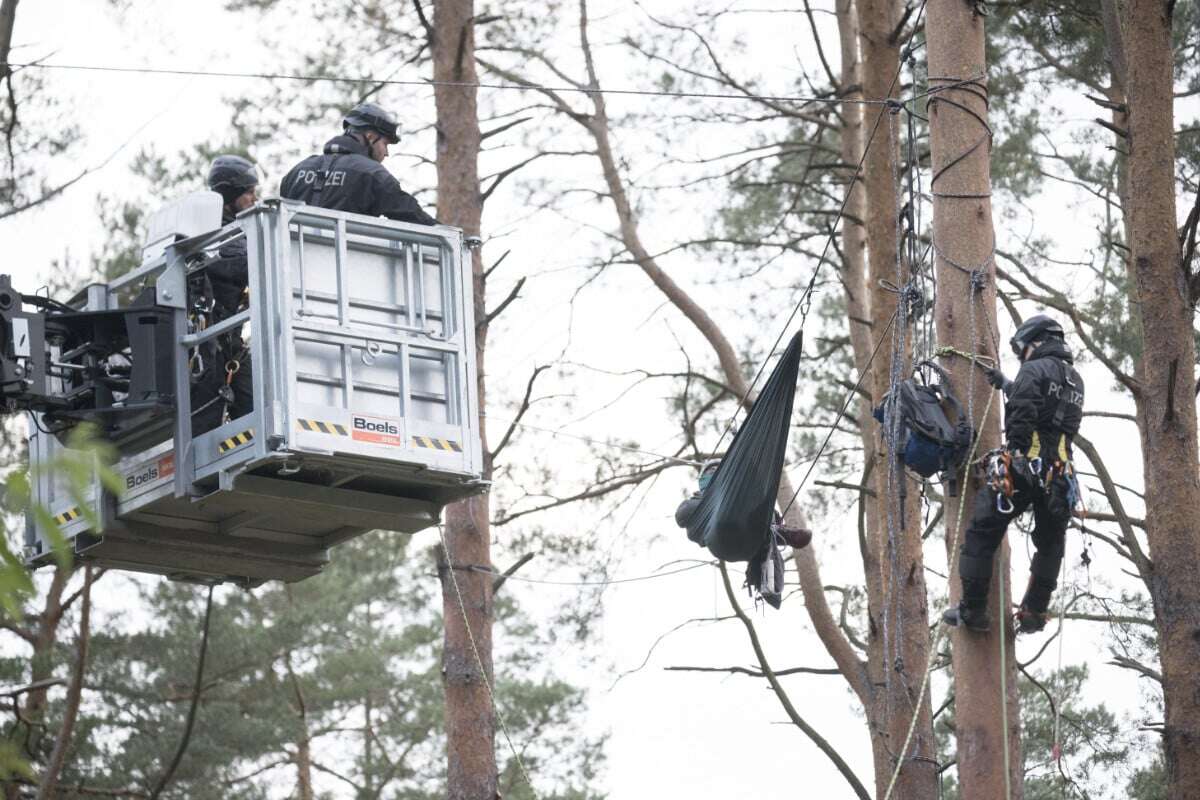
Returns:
(1167, 408)
(49, 783)
(467, 658)
(966, 319)
(898, 636)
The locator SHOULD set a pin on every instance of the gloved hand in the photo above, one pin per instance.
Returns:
(1022, 473)
(997, 378)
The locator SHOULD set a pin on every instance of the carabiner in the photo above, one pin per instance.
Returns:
(1002, 501)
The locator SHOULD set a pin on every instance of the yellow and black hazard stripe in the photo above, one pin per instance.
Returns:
(233, 442)
(431, 443)
(317, 426)
(70, 515)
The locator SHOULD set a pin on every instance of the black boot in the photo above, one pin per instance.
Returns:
(1030, 621)
(970, 617)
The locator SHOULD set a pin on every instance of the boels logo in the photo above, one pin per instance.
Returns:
(159, 470)
(376, 430)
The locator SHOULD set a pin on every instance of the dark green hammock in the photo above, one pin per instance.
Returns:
(733, 518)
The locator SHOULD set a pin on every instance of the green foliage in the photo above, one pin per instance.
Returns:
(346, 664)
(38, 132)
(1097, 754)
(85, 459)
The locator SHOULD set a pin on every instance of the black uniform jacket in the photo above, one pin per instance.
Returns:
(1044, 404)
(346, 179)
(229, 277)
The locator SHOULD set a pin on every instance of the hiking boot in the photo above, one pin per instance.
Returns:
(794, 537)
(1030, 621)
(973, 619)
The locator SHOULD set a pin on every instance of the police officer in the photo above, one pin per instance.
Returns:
(223, 388)
(1042, 411)
(236, 180)
(349, 175)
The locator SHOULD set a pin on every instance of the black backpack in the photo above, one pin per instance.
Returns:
(928, 442)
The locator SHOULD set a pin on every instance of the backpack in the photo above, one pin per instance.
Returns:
(927, 441)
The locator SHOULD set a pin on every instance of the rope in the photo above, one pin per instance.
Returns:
(805, 302)
(651, 576)
(598, 442)
(1003, 637)
(841, 413)
(941, 628)
(454, 84)
(462, 607)
(978, 281)
(977, 359)
(1056, 752)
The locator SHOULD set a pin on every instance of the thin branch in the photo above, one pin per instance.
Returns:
(1125, 662)
(505, 303)
(526, 401)
(504, 576)
(191, 715)
(754, 673)
(786, 701)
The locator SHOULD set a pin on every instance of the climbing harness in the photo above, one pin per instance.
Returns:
(997, 473)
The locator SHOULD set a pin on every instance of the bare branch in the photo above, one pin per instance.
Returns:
(505, 303)
(500, 580)
(757, 673)
(784, 699)
(526, 402)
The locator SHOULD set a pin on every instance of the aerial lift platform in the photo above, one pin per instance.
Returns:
(361, 343)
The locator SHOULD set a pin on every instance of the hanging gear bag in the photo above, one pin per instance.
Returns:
(927, 441)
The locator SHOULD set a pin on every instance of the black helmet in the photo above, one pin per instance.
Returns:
(1034, 329)
(372, 117)
(232, 176)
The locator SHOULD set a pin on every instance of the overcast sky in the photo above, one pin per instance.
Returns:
(701, 736)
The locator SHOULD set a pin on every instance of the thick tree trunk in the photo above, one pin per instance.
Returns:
(1167, 408)
(467, 659)
(859, 323)
(895, 573)
(966, 318)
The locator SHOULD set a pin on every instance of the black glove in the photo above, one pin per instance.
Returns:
(996, 378)
(1022, 473)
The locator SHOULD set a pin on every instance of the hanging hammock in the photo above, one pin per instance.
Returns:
(734, 515)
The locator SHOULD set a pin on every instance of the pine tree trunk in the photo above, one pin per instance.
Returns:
(858, 313)
(1167, 407)
(898, 644)
(303, 761)
(966, 319)
(467, 658)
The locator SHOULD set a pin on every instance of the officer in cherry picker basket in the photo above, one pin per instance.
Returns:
(350, 176)
(1042, 411)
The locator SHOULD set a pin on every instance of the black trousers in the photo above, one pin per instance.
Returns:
(1051, 516)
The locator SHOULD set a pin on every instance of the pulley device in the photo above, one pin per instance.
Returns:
(356, 372)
